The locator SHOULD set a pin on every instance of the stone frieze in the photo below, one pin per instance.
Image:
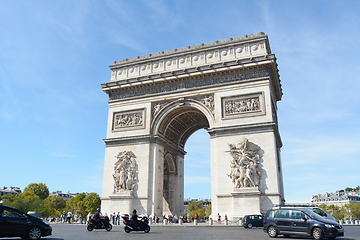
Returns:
(187, 85)
(128, 119)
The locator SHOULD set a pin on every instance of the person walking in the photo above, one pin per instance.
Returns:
(69, 214)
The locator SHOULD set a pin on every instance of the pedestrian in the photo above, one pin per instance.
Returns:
(113, 218)
(69, 214)
(118, 218)
(219, 218)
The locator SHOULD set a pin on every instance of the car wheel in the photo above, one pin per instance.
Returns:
(272, 232)
(250, 225)
(34, 233)
(89, 228)
(317, 233)
(127, 230)
(109, 227)
(147, 229)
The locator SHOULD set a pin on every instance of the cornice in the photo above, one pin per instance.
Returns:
(188, 49)
(246, 53)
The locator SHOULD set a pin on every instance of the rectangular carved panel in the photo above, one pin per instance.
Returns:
(243, 106)
(128, 120)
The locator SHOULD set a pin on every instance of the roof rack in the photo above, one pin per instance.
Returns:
(294, 205)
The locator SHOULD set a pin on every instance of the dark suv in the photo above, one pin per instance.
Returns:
(250, 221)
(14, 223)
(300, 221)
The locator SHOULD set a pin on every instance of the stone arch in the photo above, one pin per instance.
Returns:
(228, 87)
(181, 118)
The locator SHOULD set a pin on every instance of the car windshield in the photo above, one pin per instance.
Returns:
(312, 214)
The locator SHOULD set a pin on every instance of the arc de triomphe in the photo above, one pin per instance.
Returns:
(230, 88)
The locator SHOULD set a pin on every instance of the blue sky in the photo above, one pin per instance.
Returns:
(55, 54)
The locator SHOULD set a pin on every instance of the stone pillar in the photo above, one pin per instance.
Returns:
(180, 221)
(211, 221)
(165, 221)
(196, 222)
(226, 222)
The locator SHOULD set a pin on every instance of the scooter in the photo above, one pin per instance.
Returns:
(104, 223)
(143, 224)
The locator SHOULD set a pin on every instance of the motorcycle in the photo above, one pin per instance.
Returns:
(142, 225)
(104, 223)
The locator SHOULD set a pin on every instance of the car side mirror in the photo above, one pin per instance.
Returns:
(304, 219)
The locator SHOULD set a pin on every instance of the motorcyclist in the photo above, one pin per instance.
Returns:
(96, 217)
(134, 218)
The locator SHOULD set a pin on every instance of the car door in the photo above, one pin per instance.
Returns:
(13, 223)
(282, 220)
(298, 222)
(260, 221)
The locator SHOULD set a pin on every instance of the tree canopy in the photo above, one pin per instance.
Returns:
(199, 209)
(39, 189)
(36, 198)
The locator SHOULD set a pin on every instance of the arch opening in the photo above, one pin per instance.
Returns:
(180, 123)
(176, 125)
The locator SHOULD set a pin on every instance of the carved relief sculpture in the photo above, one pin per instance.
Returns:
(208, 101)
(125, 172)
(128, 119)
(245, 169)
(242, 105)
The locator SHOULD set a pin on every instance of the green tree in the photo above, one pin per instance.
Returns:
(8, 199)
(334, 211)
(355, 210)
(52, 205)
(77, 204)
(199, 209)
(39, 189)
(26, 201)
(56, 202)
(92, 202)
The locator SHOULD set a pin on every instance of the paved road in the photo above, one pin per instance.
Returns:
(79, 232)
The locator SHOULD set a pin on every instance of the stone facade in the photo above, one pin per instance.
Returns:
(230, 88)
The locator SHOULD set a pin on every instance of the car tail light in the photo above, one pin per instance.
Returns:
(245, 220)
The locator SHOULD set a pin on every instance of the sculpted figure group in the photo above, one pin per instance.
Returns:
(125, 172)
(241, 106)
(128, 120)
(244, 166)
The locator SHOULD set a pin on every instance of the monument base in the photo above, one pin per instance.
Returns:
(119, 202)
(246, 201)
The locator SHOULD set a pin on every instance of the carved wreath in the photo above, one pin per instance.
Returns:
(125, 172)
(245, 169)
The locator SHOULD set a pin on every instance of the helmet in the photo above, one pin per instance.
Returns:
(98, 209)
(134, 211)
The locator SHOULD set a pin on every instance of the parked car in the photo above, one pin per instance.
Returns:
(14, 223)
(300, 221)
(250, 221)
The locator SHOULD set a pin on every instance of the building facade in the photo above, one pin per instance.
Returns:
(11, 190)
(339, 198)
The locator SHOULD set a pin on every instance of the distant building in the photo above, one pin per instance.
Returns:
(339, 198)
(12, 190)
(64, 195)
